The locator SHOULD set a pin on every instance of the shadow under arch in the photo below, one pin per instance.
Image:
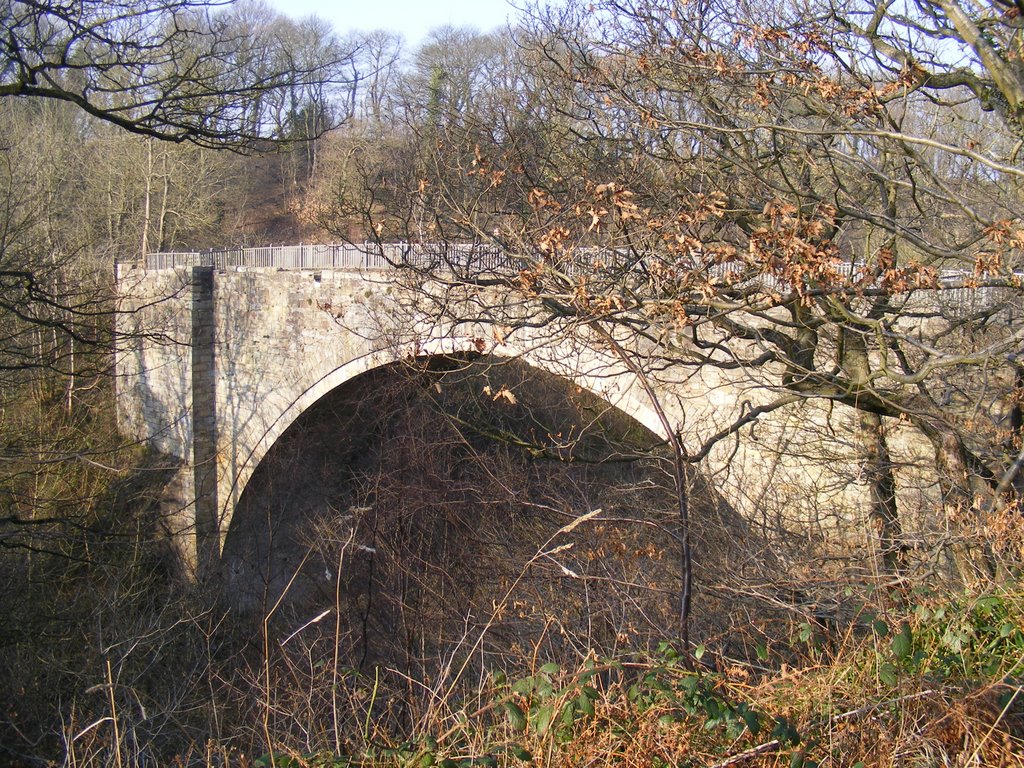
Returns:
(407, 532)
(614, 388)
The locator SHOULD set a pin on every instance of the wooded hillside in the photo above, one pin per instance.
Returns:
(461, 562)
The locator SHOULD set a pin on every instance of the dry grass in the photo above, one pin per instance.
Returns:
(949, 698)
(500, 629)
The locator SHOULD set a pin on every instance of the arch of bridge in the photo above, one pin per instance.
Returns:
(258, 347)
(562, 363)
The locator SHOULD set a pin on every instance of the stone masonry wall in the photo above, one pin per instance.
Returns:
(269, 343)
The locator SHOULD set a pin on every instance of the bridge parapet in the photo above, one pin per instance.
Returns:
(344, 256)
(956, 292)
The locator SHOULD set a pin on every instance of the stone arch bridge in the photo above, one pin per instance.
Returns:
(221, 352)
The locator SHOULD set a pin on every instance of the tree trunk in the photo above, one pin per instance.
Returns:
(147, 200)
(165, 192)
(883, 513)
(972, 556)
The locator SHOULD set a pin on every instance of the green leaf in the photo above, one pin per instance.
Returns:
(586, 704)
(805, 632)
(523, 686)
(888, 674)
(1005, 699)
(903, 643)
(542, 719)
(762, 651)
(954, 640)
(713, 708)
(569, 714)
(752, 720)
(549, 669)
(880, 627)
(986, 605)
(699, 651)
(785, 732)
(521, 754)
(515, 716)
(280, 761)
(689, 683)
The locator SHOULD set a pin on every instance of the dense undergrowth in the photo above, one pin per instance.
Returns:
(111, 657)
(933, 683)
(160, 675)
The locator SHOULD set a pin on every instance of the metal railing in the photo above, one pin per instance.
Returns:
(353, 256)
(955, 292)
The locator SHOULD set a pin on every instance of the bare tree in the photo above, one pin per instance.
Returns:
(823, 200)
(179, 70)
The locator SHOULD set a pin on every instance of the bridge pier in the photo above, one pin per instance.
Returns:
(204, 421)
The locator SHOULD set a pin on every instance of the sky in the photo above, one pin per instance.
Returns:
(413, 19)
